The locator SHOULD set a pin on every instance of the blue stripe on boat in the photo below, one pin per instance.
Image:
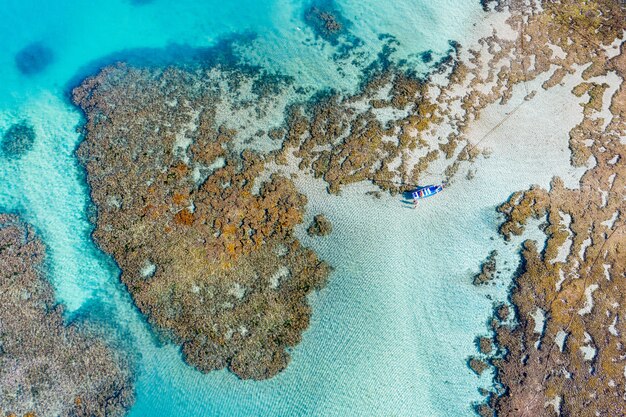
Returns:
(426, 191)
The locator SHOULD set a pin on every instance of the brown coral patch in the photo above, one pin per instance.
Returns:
(320, 226)
(576, 365)
(212, 262)
(49, 368)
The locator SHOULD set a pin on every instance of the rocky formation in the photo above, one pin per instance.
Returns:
(48, 368)
(17, 140)
(206, 246)
(320, 226)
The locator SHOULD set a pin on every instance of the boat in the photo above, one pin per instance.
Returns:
(426, 191)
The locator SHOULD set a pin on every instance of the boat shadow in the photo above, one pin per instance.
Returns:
(407, 203)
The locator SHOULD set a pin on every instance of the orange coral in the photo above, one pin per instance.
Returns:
(184, 217)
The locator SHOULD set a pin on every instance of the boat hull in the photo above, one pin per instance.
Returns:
(425, 192)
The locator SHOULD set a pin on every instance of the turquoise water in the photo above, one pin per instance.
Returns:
(391, 333)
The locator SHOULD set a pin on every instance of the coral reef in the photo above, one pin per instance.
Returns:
(320, 226)
(17, 140)
(46, 367)
(485, 345)
(398, 125)
(33, 58)
(343, 144)
(487, 270)
(201, 220)
(564, 354)
(201, 230)
(325, 20)
(577, 362)
(206, 246)
(478, 365)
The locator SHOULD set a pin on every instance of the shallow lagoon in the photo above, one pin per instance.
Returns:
(391, 332)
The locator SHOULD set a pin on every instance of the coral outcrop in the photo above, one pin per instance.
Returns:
(325, 20)
(17, 140)
(478, 365)
(320, 226)
(488, 270)
(48, 368)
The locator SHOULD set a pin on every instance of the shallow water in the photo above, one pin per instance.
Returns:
(391, 333)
